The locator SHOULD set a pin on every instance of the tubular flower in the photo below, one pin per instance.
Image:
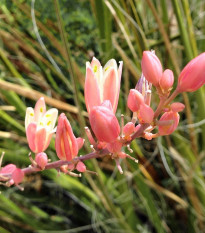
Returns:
(102, 83)
(151, 67)
(39, 126)
(66, 144)
(192, 76)
(104, 124)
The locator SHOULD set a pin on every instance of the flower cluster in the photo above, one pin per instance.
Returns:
(108, 137)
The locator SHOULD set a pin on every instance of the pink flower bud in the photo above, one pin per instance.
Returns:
(192, 76)
(146, 114)
(151, 67)
(104, 124)
(66, 144)
(17, 176)
(169, 129)
(167, 80)
(41, 160)
(135, 99)
(177, 107)
(128, 129)
(81, 167)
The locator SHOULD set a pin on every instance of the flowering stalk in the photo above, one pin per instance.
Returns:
(101, 97)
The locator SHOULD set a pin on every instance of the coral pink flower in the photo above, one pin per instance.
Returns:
(170, 128)
(135, 99)
(192, 76)
(40, 126)
(104, 124)
(41, 159)
(151, 67)
(167, 80)
(102, 83)
(17, 174)
(66, 144)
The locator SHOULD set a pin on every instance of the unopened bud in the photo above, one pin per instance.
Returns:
(135, 99)
(81, 167)
(41, 159)
(151, 67)
(167, 80)
(177, 107)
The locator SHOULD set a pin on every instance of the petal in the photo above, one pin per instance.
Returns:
(72, 139)
(67, 145)
(92, 92)
(81, 167)
(59, 145)
(49, 119)
(40, 109)
(29, 116)
(110, 64)
(8, 169)
(111, 88)
(97, 70)
(48, 140)
(146, 113)
(80, 142)
(107, 104)
(31, 135)
(40, 140)
(17, 176)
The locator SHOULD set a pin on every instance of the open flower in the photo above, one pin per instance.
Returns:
(66, 144)
(102, 83)
(40, 126)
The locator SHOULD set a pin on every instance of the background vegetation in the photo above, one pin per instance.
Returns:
(43, 53)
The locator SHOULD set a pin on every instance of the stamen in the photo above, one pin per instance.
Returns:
(92, 147)
(41, 109)
(118, 166)
(49, 122)
(107, 68)
(73, 174)
(95, 68)
(31, 114)
(132, 158)
(130, 150)
(33, 162)
(92, 172)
